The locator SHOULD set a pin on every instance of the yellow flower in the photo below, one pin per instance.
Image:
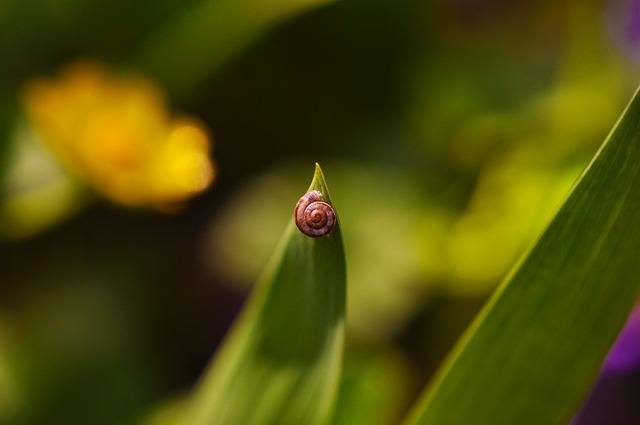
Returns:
(116, 134)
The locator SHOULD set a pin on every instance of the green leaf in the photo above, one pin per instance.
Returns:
(198, 42)
(532, 353)
(282, 360)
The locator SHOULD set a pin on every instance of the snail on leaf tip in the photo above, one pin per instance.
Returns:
(314, 217)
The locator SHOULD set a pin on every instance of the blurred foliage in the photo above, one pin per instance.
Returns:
(32, 178)
(547, 329)
(380, 233)
(376, 385)
(477, 114)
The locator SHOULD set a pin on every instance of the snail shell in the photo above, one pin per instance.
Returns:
(314, 217)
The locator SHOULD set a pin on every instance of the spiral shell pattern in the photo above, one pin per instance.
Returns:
(314, 217)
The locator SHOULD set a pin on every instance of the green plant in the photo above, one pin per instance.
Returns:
(529, 357)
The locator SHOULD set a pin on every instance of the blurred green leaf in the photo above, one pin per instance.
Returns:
(376, 388)
(199, 41)
(281, 362)
(532, 353)
(35, 192)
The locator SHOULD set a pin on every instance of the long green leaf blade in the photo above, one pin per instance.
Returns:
(282, 360)
(538, 344)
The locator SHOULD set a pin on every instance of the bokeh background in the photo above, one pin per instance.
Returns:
(448, 131)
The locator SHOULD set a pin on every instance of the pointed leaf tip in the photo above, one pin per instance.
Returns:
(319, 183)
(281, 362)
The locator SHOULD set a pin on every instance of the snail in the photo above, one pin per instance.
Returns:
(314, 217)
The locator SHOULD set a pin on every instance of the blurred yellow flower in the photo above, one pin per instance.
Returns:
(116, 134)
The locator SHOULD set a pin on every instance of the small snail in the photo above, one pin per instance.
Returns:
(314, 217)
